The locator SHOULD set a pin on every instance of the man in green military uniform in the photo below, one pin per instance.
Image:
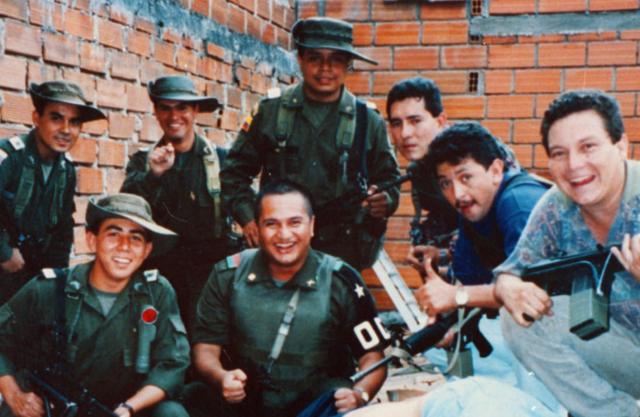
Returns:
(290, 319)
(179, 177)
(87, 321)
(37, 184)
(316, 133)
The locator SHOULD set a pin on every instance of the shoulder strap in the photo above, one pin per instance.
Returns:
(361, 140)
(60, 339)
(27, 180)
(284, 127)
(212, 168)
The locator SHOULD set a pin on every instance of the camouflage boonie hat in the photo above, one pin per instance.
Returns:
(64, 92)
(326, 33)
(180, 88)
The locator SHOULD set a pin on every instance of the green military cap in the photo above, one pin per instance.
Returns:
(64, 92)
(136, 209)
(180, 88)
(326, 33)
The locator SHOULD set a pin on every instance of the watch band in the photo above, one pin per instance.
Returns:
(128, 407)
(364, 394)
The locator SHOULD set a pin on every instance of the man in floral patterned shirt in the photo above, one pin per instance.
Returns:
(596, 202)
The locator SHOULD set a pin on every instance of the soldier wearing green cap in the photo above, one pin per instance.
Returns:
(37, 185)
(179, 177)
(106, 324)
(317, 133)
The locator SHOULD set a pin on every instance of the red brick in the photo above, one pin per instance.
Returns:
(254, 26)
(17, 9)
(57, 17)
(498, 82)
(170, 35)
(36, 13)
(249, 64)
(415, 58)
(218, 138)
(575, 79)
(207, 68)
(236, 19)
(39, 73)
(110, 94)
(121, 126)
(632, 129)
(61, 49)
(358, 82)
(441, 33)
(463, 57)
(540, 38)
(383, 81)
(526, 131)
(23, 39)
(193, 42)
(542, 103)
(398, 228)
(234, 97)
(14, 72)
(139, 43)
(380, 54)
(282, 39)
(268, 33)
(95, 128)
(17, 108)
(264, 9)
(220, 11)
(245, 4)
(249, 102)
(259, 84)
(164, 52)
(627, 102)
(224, 73)
(609, 5)
(524, 154)
(78, 24)
(630, 35)
(449, 82)
(121, 15)
(394, 34)
(612, 53)
(498, 40)
(115, 179)
(538, 81)
(82, 5)
(512, 6)
(627, 79)
(145, 25)
(464, 107)
(229, 120)
(138, 99)
(565, 6)
(397, 251)
(81, 208)
(244, 77)
(562, 55)
(590, 36)
(362, 34)
(499, 128)
(385, 11)
(186, 60)
(540, 158)
(512, 56)
(80, 246)
(110, 34)
(93, 58)
(216, 51)
(150, 70)
(510, 107)
(90, 180)
(151, 130)
(8, 131)
(84, 151)
(207, 119)
(111, 153)
(201, 6)
(443, 11)
(350, 10)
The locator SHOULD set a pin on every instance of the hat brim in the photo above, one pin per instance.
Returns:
(205, 104)
(163, 239)
(351, 52)
(89, 113)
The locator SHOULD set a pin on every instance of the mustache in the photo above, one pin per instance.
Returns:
(62, 136)
(463, 202)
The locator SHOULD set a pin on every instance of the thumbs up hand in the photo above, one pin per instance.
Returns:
(435, 296)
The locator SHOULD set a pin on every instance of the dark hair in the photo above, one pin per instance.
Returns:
(462, 141)
(583, 100)
(281, 187)
(416, 87)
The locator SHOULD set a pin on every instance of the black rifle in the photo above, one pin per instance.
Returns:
(587, 278)
(67, 397)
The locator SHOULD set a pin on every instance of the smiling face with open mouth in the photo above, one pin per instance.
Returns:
(324, 72)
(584, 163)
(177, 119)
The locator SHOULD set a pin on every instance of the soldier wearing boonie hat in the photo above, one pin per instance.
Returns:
(179, 176)
(316, 133)
(124, 340)
(37, 185)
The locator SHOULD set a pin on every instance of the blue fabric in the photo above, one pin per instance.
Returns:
(324, 406)
(511, 208)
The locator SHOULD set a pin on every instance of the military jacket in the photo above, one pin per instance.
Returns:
(312, 156)
(48, 213)
(102, 352)
(243, 311)
(179, 199)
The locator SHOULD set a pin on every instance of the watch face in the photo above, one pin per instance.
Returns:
(462, 297)
(365, 397)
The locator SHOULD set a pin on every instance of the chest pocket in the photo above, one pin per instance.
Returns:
(282, 161)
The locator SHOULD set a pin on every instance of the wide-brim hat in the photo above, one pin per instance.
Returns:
(180, 88)
(136, 209)
(326, 33)
(64, 92)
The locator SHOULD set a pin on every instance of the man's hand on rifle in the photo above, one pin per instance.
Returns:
(15, 264)
(523, 300)
(233, 384)
(250, 232)
(378, 203)
(435, 296)
(629, 255)
(162, 159)
(416, 253)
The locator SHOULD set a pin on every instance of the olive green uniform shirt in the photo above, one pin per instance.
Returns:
(103, 350)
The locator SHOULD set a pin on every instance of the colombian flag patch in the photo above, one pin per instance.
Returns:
(247, 123)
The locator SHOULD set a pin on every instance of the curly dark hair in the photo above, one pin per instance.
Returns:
(416, 87)
(583, 100)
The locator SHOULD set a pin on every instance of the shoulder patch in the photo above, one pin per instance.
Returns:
(48, 273)
(247, 123)
(3, 155)
(68, 157)
(151, 275)
(17, 143)
(372, 106)
(230, 262)
(274, 93)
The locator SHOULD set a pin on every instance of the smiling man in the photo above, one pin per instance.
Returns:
(317, 134)
(85, 321)
(596, 203)
(179, 177)
(37, 185)
(281, 325)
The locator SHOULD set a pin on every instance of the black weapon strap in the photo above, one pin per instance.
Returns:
(60, 320)
(361, 141)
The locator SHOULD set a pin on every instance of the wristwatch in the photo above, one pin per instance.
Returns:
(364, 394)
(128, 407)
(461, 297)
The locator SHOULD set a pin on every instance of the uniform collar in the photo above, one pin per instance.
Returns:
(347, 104)
(306, 278)
(78, 281)
(33, 155)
